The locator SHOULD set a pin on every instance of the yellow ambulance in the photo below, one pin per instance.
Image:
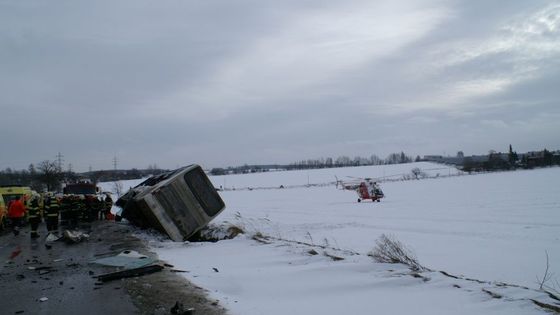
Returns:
(9, 194)
(3, 212)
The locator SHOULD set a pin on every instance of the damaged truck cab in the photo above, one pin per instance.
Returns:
(178, 203)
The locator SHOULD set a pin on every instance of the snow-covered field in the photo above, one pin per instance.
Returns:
(495, 228)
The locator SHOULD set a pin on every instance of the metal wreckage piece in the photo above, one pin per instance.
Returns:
(178, 203)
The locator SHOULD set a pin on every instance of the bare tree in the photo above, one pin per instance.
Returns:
(49, 174)
(117, 188)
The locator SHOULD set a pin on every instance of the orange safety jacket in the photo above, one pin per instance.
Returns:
(16, 209)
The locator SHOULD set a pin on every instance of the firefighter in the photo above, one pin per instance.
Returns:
(34, 216)
(52, 209)
(65, 210)
(75, 210)
(82, 209)
(87, 208)
(16, 212)
(91, 208)
(108, 204)
(97, 207)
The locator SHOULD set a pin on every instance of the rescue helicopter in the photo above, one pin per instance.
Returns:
(366, 188)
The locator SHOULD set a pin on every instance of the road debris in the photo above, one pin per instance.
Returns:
(51, 237)
(43, 270)
(127, 259)
(74, 237)
(15, 253)
(43, 299)
(73, 265)
(179, 309)
(128, 273)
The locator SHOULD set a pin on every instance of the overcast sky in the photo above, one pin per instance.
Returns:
(224, 83)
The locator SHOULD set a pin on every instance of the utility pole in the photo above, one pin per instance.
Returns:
(59, 161)
(115, 162)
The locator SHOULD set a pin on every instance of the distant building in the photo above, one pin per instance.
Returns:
(433, 158)
(444, 159)
(541, 158)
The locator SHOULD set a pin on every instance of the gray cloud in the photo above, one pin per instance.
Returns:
(224, 83)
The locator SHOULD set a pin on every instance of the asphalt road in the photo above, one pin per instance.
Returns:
(64, 277)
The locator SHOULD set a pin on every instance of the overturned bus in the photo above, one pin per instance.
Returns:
(178, 203)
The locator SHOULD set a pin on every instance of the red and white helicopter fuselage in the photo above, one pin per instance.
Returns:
(366, 188)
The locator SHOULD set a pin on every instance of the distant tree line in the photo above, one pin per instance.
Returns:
(345, 161)
(47, 176)
(329, 162)
(245, 169)
(114, 175)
